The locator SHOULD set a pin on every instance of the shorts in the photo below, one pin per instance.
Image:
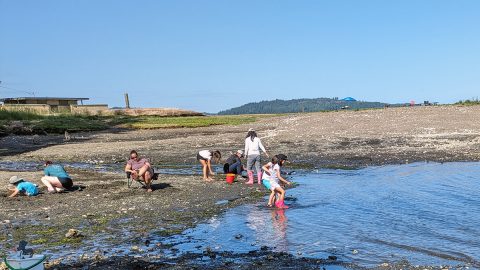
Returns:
(66, 182)
(274, 185)
(266, 183)
(200, 157)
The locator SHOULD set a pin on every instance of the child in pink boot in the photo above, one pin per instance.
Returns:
(272, 171)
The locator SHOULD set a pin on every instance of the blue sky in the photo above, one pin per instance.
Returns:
(213, 55)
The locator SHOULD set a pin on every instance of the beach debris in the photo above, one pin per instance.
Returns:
(208, 252)
(73, 233)
(135, 249)
(332, 257)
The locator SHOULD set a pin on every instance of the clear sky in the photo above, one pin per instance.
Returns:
(212, 55)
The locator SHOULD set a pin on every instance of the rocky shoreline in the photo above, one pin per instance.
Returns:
(104, 206)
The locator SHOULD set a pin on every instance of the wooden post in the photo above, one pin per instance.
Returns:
(127, 101)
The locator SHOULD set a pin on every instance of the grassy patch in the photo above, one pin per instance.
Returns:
(37, 124)
(152, 122)
(18, 115)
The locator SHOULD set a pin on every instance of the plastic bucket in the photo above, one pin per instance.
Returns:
(31, 263)
(230, 178)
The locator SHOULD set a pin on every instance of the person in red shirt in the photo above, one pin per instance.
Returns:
(140, 167)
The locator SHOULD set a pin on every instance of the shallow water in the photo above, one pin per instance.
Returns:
(427, 213)
(103, 167)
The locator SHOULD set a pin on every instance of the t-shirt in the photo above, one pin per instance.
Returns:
(253, 147)
(273, 173)
(233, 159)
(28, 188)
(206, 154)
(56, 170)
(273, 169)
(137, 164)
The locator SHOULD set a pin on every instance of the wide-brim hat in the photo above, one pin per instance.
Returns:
(15, 179)
(251, 129)
(240, 152)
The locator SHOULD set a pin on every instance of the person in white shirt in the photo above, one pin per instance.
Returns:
(273, 175)
(253, 145)
(205, 158)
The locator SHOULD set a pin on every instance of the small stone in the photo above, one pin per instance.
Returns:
(72, 233)
(238, 236)
(135, 248)
(332, 258)
(354, 251)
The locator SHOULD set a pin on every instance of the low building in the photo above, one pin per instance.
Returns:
(51, 105)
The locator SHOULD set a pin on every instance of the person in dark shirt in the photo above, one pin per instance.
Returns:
(234, 163)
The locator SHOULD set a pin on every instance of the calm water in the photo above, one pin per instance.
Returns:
(428, 213)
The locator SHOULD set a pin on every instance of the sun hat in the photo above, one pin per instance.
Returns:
(240, 152)
(251, 129)
(15, 179)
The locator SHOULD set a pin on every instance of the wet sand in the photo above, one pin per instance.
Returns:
(347, 139)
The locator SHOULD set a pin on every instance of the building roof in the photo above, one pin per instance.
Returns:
(40, 98)
(349, 99)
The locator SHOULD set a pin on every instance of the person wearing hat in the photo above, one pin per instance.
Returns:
(253, 145)
(234, 163)
(20, 186)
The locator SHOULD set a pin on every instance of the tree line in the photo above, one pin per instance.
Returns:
(300, 105)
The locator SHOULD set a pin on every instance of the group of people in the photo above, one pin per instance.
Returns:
(56, 179)
(269, 174)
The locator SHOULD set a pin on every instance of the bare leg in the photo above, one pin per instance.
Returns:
(270, 199)
(143, 169)
(148, 180)
(204, 169)
(52, 183)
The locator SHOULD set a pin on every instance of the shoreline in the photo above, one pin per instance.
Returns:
(335, 140)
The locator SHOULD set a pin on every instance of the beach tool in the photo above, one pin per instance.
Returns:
(230, 178)
(24, 259)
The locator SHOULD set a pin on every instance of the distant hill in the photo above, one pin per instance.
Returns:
(300, 105)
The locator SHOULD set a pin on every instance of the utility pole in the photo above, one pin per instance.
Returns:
(127, 101)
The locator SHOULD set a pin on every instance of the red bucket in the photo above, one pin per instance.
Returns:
(230, 178)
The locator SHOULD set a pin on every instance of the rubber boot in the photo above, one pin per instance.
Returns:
(278, 204)
(259, 177)
(281, 204)
(250, 178)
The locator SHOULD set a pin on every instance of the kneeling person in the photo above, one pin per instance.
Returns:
(56, 178)
(234, 164)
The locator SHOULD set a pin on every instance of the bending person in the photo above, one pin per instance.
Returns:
(140, 167)
(234, 163)
(205, 158)
(56, 178)
(253, 145)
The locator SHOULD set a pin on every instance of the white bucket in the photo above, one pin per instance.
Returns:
(26, 263)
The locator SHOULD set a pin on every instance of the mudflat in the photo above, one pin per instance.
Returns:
(104, 208)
